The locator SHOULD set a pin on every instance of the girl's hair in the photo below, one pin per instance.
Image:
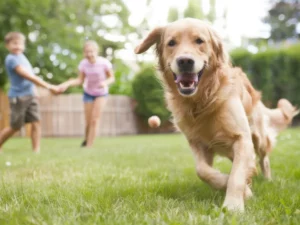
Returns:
(14, 36)
(91, 42)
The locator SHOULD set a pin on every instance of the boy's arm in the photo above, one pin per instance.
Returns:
(36, 80)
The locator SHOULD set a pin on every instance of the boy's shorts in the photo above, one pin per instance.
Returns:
(23, 110)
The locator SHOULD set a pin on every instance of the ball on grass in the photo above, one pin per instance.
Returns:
(154, 121)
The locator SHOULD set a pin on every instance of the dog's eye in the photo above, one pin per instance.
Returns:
(199, 41)
(171, 43)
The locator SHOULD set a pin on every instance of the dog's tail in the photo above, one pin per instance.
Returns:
(281, 117)
(288, 110)
(277, 120)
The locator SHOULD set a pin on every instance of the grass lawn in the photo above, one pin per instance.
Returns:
(147, 179)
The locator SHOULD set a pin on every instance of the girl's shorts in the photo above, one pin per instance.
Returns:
(90, 98)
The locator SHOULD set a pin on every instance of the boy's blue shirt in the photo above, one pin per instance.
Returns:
(19, 86)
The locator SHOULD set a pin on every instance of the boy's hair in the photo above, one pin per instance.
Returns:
(13, 36)
(91, 42)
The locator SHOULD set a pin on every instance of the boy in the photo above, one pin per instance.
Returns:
(23, 103)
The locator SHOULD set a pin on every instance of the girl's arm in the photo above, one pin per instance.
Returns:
(110, 78)
(73, 82)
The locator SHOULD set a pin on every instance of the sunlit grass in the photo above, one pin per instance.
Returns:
(147, 179)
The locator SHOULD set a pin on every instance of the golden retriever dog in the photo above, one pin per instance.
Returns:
(212, 103)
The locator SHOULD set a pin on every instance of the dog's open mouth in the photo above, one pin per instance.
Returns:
(187, 82)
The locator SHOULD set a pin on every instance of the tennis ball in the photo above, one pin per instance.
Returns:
(154, 121)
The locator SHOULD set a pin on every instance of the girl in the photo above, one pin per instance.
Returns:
(95, 73)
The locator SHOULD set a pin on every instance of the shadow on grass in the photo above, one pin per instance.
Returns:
(179, 191)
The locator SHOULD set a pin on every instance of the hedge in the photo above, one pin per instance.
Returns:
(148, 92)
(275, 72)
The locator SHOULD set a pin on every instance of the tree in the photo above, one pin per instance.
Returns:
(211, 16)
(283, 18)
(194, 9)
(173, 14)
(57, 30)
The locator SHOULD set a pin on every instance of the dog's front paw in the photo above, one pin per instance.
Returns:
(248, 193)
(234, 204)
(268, 177)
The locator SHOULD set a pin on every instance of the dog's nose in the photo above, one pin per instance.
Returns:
(185, 64)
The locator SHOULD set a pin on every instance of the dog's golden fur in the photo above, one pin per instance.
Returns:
(221, 114)
(266, 125)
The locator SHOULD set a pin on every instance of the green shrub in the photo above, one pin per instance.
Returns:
(148, 92)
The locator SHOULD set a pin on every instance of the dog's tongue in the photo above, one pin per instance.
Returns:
(186, 78)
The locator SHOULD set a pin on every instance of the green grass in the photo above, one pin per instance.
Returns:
(147, 179)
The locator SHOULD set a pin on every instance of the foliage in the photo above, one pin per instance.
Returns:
(283, 18)
(194, 9)
(212, 12)
(57, 30)
(123, 76)
(276, 72)
(148, 92)
(173, 14)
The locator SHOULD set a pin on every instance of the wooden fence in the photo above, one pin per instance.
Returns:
(63, 116)
(4, 111)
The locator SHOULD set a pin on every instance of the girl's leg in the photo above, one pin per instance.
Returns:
(97, 107)
(87, 112)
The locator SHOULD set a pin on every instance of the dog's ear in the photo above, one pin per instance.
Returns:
(153, 37)
(218, 47)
